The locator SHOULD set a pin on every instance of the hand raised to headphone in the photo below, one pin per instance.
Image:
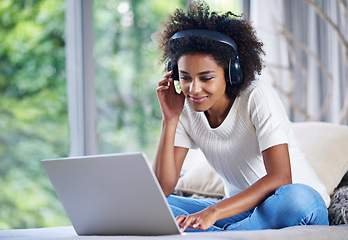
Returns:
(171, 102)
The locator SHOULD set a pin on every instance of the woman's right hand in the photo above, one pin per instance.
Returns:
(171, 103)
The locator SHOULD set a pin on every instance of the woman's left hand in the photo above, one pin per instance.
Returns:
(201, 220)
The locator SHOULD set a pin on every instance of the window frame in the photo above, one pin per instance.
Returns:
(80, 77)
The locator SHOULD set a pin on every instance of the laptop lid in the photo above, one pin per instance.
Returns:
(115, 194)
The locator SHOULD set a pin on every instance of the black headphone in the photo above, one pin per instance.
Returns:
(235, 69)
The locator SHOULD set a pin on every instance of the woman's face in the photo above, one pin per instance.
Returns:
(203, 82)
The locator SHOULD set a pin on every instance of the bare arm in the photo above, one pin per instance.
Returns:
(169, 159)
(277, 164)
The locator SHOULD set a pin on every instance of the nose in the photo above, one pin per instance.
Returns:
(195, 86)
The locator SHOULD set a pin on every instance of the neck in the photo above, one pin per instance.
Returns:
(217, 115)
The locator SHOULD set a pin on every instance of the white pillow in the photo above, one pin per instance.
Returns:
(199, 177)
(325, 146)
(203, 180)
(326, 149)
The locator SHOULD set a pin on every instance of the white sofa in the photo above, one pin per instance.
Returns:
(326, 147)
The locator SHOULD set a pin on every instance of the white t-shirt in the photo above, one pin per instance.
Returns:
(256, 121)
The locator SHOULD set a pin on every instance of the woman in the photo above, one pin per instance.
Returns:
(237, 121)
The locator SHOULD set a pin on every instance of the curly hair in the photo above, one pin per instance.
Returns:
(199, 16)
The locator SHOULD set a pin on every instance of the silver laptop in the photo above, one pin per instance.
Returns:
(116, 194)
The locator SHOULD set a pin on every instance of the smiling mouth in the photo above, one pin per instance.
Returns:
(198, 99)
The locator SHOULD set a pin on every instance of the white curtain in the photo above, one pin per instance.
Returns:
(306, 45)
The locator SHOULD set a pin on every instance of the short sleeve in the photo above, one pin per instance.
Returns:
(268, 117)
(182, 139)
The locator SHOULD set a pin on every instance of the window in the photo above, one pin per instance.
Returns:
(33, 109)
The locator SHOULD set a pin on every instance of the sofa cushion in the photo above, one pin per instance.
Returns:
(202, 180)
(325, 146)
(326, 149)
(308, 232)
(199, 177)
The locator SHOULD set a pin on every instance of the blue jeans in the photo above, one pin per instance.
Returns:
(290, 205)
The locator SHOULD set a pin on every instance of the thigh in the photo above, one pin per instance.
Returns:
(188, 205)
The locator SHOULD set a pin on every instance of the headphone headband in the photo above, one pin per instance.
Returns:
(235, 71)
(211, 34)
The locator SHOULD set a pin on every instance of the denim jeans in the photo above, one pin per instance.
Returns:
(290, 205)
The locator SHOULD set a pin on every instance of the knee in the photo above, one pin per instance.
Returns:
(302, 200)
(300, 196)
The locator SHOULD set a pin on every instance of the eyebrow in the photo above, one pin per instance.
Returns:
(201, 73)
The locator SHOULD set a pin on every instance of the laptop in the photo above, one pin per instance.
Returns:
(114, 194)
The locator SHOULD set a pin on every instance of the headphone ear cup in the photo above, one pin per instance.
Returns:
(235, 70)
(174, 67)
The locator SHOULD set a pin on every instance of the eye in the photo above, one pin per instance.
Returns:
(206, 78)
(185, 78)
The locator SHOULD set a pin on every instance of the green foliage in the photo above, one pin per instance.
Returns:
(33, 123)
(127, 73)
